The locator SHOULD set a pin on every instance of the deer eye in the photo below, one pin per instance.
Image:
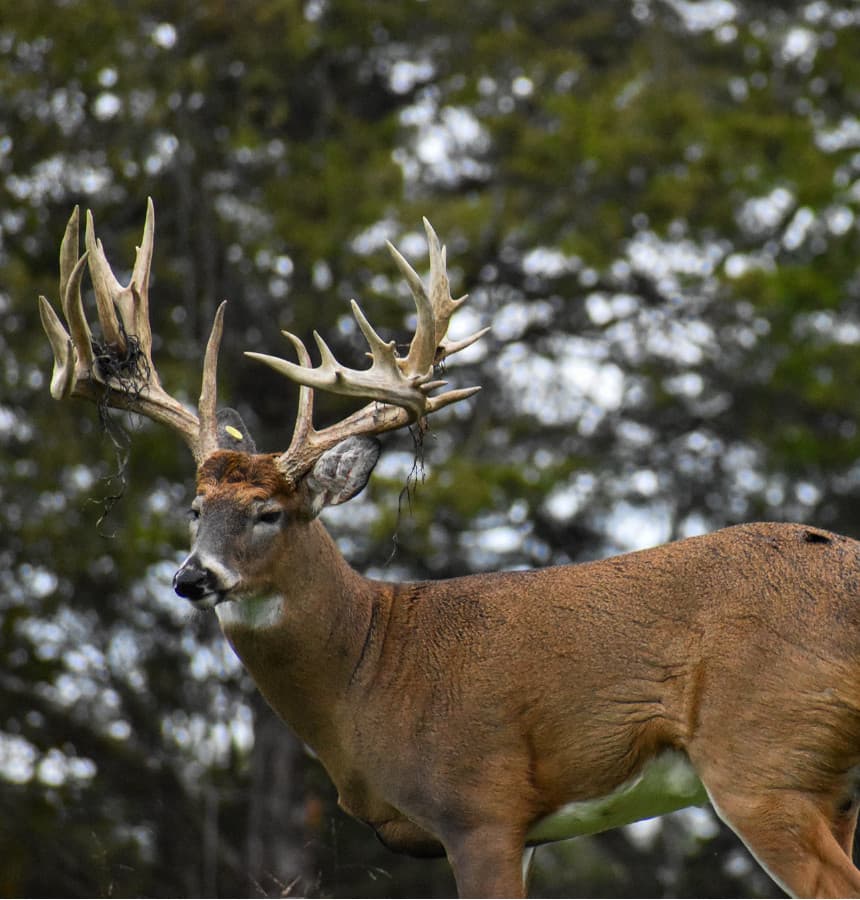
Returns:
(269, 516)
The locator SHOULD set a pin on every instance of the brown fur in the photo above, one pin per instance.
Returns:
(455, 714)
(247, 477)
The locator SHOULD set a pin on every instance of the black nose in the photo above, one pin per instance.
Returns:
(192, 582)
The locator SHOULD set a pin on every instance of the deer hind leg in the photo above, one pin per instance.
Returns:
(803, 841)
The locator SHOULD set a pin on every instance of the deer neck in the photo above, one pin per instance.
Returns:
(302, 642)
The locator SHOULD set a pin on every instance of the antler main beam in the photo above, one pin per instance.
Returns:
(400, 388)
(118, 368)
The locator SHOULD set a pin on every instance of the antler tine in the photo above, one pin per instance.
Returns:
(107, 289)
(422, 349)
(383, 381)
(71, 274)
(444, 305)
(435, 308)
(400, 388)
(449, 348)
(119, 370)
(140, 283)
(65, 357)
(304, 428)
(208, 403)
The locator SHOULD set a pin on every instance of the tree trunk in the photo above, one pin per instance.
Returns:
(280, 858)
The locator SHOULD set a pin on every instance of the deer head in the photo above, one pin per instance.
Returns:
(247, 502)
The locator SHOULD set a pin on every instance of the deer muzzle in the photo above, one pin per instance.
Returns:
(202, 584)
(193, 582)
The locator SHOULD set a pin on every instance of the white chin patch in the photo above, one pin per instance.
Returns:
(210, 601)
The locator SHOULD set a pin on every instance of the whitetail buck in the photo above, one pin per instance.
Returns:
(480, 714)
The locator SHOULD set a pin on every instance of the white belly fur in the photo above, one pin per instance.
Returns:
(667, 783)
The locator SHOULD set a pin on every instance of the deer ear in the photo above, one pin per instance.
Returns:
(232, 432)
(342, 472)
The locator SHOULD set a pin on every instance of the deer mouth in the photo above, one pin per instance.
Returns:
(200, 585)
(210, 600)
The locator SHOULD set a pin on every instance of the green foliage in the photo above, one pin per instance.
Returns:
(658, 217)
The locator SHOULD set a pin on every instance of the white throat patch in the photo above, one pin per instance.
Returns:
(250, 612)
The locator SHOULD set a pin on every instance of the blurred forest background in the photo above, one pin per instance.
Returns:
(653, 203)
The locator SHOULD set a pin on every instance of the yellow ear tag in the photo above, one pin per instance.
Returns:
(234, 433)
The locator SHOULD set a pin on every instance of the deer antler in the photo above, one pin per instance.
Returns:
(118, 369)
(400, 388)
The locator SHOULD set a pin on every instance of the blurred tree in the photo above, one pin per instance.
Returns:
(653, 203)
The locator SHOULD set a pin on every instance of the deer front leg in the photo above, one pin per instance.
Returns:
(487, 861)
